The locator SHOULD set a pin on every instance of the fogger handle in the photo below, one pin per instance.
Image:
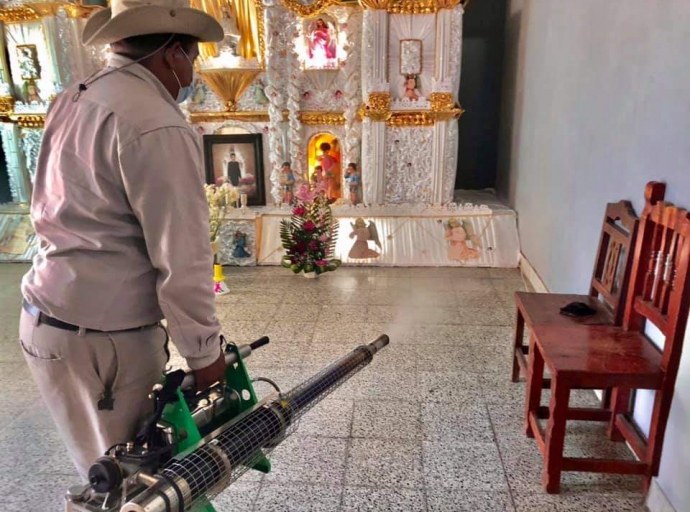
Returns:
(230, 358)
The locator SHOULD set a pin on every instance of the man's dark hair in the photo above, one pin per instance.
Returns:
(137, 47)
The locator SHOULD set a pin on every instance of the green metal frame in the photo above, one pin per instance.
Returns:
(185, 432)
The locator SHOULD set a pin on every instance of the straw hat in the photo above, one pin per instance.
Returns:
(128, 18)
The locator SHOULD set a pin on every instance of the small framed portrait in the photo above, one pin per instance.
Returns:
(410, 56)
(238, 160)
(321, 35)
(27, 56)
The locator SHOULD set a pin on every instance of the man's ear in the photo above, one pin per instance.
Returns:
(169, 53)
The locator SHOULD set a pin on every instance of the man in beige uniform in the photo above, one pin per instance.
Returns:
(121, 215)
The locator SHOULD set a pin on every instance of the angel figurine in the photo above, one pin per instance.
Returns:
(240, 250)
(364, 233)
(411, 91)
(287, 183)
(458, 233)
(353, 179)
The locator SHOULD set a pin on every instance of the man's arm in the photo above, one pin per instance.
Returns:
(161, 171)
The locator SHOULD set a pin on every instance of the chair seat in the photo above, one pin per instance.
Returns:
(545, 309)
(600, 356)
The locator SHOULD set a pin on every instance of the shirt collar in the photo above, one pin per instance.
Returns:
(139, 71)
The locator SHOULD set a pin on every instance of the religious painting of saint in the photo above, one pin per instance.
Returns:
(238, 160)
(321, 44)
(463, 245)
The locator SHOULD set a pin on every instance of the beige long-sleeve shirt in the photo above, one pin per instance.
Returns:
(121, 214)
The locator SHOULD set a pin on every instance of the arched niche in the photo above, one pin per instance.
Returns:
(325, 150)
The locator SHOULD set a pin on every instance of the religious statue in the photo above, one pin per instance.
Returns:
(231, 34)
(353, 178)
(411, 88)
(232, 169)
(317, 177)
(199, 94)
(458, 236)
(330, 166)
(287, 182)
(31, 93)
(240, 240)
(363, 233)
(321, 41)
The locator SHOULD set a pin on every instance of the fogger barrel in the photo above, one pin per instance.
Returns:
(225, 455)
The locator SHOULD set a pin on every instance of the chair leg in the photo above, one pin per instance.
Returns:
(555, 435)
(535, 378)
(519, 332)
(657, 430)
(620, 404)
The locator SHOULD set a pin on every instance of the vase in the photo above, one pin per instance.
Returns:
(310, 275)
(219, 286)
(243, 200)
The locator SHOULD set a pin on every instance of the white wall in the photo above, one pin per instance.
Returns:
(597, 103)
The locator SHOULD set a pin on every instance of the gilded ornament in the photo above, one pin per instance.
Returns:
(410, 6)
(308, 10)
(410, 119)
(378, 106)
(36, 11)
(6, 105)
(29, 120)
(219, 117)
(229, 84)
(322, 118)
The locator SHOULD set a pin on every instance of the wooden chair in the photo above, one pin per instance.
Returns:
(609, 283)
(620, 358)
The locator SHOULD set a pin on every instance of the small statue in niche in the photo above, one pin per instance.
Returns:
(363, 233)
(321, 43)
(458, 233)
(31, 93)
(199, 94)
(411, 88)
(317, 177)
(287, 183)
(353, 178)
(240, 240)
(329, 165)
(231, 34)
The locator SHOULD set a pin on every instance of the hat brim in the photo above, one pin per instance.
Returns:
(150, 19)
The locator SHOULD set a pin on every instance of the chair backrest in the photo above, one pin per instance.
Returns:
(614, 258)
(660, 285)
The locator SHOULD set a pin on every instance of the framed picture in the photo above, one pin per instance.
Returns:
(410, 56)
(27, 56)
(238, 160)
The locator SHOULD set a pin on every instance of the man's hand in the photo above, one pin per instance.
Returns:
(208, 376)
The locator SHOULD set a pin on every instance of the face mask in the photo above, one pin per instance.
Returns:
(185, 91)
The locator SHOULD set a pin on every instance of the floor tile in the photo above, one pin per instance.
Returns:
(384, 464)
(467, 466)
(359, 499)
(330, 418)
(452, 500)
(281, 497)
(452, 423)
(385, 419)
(309, 460)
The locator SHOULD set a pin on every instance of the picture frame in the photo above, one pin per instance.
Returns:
(30, 67)
(236, 159)
(410, 57)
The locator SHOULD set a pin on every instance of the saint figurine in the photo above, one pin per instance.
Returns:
(232, 170)
(287, 182)
(321, 43)
(457, 237)
(411, 91)
(240, 250)
(317, 177)
(31, 92)
(329, 166)
(231, 34)
(363, 233)
(353, 179)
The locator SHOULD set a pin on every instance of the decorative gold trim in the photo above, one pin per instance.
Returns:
(444, 107)
(28, 120)
(229, 84)
(312, 9)
(410, 6)
(219, 117)
(80, 11)
(322, 118)
(6, 105)
(262, 42)
(410, 119)
(378, 106)
(36, 11)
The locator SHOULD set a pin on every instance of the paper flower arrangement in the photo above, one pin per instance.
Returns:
(310, 235)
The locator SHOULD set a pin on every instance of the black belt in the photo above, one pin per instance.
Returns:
(59, 324)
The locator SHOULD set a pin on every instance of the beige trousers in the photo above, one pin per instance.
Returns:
(73, 370)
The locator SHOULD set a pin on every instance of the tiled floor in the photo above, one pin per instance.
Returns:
(432, 425)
